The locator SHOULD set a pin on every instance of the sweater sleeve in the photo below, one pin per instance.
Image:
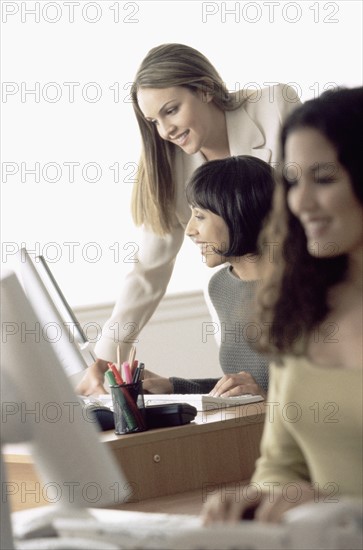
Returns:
(142, 290)
(281, 460)
(201, 385)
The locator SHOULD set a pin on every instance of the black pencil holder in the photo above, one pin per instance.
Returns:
(128, 408)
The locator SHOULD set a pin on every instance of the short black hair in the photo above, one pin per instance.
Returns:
(238, 189)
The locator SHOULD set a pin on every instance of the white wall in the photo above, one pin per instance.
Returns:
(179, 340)
(66, 74)
(94, 49)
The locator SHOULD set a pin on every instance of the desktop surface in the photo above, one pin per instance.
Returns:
(166, 469)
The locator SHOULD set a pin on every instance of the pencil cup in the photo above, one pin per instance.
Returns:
(128, 408)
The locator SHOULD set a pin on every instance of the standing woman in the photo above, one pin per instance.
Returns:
(186, 117)
(312, 304)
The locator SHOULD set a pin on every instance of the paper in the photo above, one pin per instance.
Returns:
(201, 402)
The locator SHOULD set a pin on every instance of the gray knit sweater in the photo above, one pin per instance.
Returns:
(232, 299)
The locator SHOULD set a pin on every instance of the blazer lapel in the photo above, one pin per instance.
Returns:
(244, 136)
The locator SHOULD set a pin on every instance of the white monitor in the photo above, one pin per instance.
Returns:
(57, 322)
(40, 406)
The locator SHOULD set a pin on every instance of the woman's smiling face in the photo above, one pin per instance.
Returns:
(210, 232)
(180, 115)
(321, 195)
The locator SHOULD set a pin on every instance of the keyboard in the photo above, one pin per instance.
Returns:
(327, 526)
(171, 531)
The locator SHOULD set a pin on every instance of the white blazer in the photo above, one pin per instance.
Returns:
(253, 129)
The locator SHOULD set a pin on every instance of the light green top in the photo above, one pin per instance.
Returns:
(313, 428)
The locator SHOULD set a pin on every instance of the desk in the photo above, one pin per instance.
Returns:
(169, 465)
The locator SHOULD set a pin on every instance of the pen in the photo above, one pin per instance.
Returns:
(132, 356)
(127, 372)
(119, 358)
(132, 407)
(138, 373)
(110, 378)
(116, 373)
(133, 368)
(123, 398)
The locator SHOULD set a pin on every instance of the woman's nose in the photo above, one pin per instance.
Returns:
(190, 229)
(166, 130)
(302, 198)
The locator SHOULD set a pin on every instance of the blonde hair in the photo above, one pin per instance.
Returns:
(165, 66)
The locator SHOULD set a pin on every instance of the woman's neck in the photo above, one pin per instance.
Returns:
(355, 269)
(248, 267)
(217, 146)
(337, 341)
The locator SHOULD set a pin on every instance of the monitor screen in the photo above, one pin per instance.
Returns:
(40, 406)
(57, 322)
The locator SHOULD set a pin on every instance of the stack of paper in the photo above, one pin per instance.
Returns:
(201, 402)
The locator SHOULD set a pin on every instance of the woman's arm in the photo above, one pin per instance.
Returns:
(230, 507)
(159, 384)
(141, 292)
(281, 462)
(195, 385)
(240, 383)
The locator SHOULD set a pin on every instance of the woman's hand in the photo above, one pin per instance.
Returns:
(232, 506)
(229, 505)
(92, 382)
(237, 384)
(272, 509)
(153, 383)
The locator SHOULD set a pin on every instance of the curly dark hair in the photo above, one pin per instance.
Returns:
(292, 301)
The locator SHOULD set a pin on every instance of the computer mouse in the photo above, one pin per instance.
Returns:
(102, 414)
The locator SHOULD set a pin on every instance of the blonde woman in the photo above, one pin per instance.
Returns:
(186, 117)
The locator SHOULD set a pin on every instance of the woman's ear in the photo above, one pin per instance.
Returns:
(208, 97)
(207, 90)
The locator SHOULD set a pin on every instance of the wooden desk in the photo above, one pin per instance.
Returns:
(187, 462)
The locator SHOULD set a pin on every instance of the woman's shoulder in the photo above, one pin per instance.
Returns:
(276, 92)
(306, 365)
(281, 96)
(219, 276)
(225, 280)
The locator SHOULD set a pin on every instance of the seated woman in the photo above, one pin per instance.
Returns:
(229, 199)
(311, 306)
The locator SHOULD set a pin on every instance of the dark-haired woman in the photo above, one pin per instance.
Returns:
(312, 303)
(229, 200)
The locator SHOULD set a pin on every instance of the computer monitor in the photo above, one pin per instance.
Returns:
(40, 406)
(57, 322)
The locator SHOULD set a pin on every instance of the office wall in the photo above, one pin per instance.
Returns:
(179, 340)
(70, 142)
